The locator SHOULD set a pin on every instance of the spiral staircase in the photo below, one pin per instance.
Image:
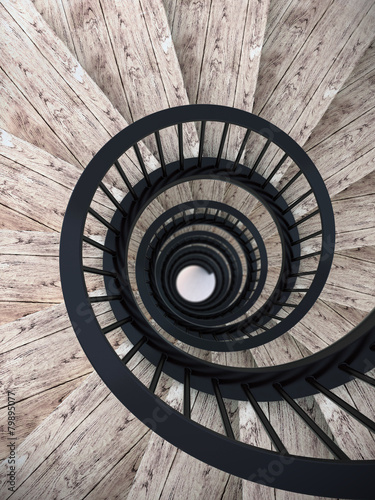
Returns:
(154, 136)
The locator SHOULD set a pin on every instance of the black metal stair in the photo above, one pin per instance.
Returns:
(219, 323)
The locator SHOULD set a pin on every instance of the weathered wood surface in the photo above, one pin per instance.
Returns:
(364, 66)
(362, 187)
(148, 65)
(110, 445)
(252, 432)
(189, 25)
(218, 45)
(52, 360)
(54, 13)
(21, 189)
(341, 145)
(200, 476)
(158, 457)
(93, 49)
(361, 253)
(352, 437)
(9, 313)
(59, 443)
(118, 482)
(32, 411)
(33, 327)
(13, 220)
(127, 59)
(61, 79)
(36, 278)
(308, 79)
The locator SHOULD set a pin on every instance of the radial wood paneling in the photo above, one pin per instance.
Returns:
(71, 81)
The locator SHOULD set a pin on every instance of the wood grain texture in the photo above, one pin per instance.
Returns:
(364, 66)
(13, 220)
(38, 325)
(252, 432)
(201, 477)
(362, 253)
(27, 277)
(118, 482)
(314, 75)
(189, 24)
(77, 476)
(59, 85)
(9, 313)
(158, 458)
(148, 64)
(31, 369)
(69, 420)
(93, 49)
(54, 13)
(218, 45)
(362, 187)
(32, 411)
(352, 437)
(20, 118)
(20, 189)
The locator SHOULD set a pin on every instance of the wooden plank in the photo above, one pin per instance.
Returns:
(324, 324)
(38, 243)
(349, 104)
(13, 220)
(315, 74)
(351, 315)
(9, 311)
(108, 447)
(352, 274)
(363, 187)
(36, 326)
(20, 118)
(20, 190)
(252, 44)
(148, 64)
(170, 8)
(189, 24)
(363, 253)
(364, 66)
(95, 118)
(32, 411)
(221, 43)
(41, 162)
(158, 458)
(53, 12)
(284, 40)
(352, 437)
(118, 482)
(253, 433)
(93, 50)
(34, 367)
(349, 298)
(200, 477)
(67, 417)
(27, 277)
(29, 243)
(275, 16)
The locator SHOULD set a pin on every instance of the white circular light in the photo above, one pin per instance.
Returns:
(195, 284)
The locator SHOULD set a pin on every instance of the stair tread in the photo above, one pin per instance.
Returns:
(363, 253)
(54, 13)
(220, 63)
(8, 312)
(33, 410)
(308, 79)
(60, 83)
(60, 440)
